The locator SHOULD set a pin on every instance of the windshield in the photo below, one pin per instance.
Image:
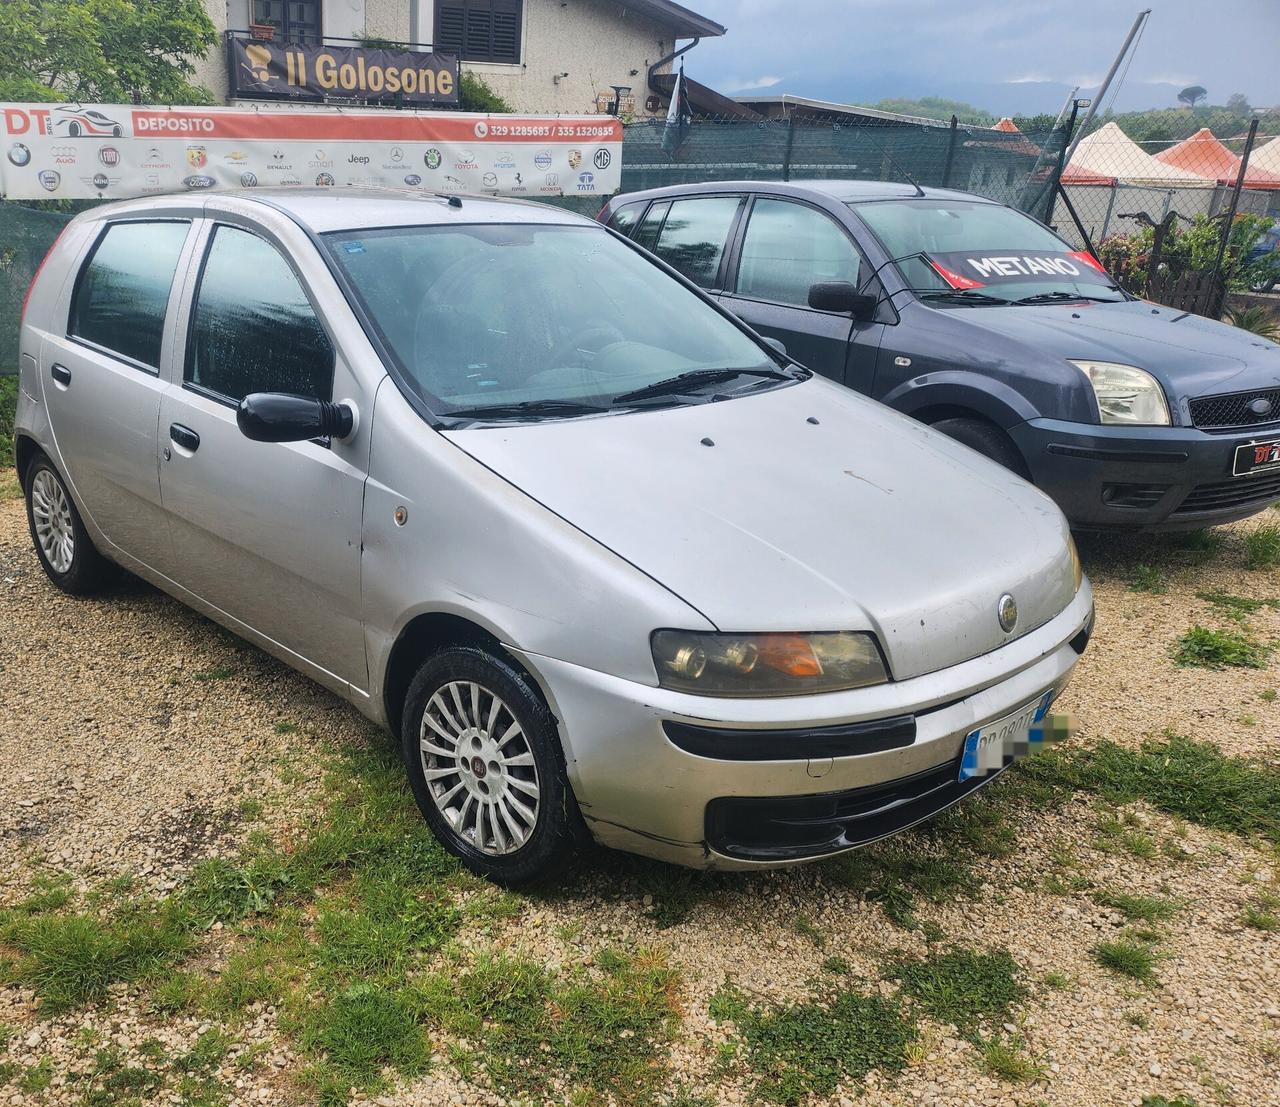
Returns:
(543, 318)
(969, 246)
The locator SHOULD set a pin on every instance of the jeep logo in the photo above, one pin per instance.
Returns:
(357, 159)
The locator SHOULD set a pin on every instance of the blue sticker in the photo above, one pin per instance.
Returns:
(353, 247)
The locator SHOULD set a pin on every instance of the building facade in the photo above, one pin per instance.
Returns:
(539, 55)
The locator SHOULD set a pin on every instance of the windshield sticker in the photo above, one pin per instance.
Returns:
(977, 270)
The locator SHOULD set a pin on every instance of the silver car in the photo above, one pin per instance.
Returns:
(610, 566)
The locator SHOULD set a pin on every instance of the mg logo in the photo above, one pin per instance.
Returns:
(602, 159)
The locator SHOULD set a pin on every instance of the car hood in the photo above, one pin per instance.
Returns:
(1191, 355)
(806, 507)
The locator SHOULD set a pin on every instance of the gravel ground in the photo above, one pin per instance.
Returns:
(127, 748)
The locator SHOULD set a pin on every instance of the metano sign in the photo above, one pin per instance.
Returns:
(289, 71)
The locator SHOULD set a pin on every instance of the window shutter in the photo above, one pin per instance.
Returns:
(480, 30)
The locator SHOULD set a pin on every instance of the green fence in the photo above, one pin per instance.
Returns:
(1014, 168)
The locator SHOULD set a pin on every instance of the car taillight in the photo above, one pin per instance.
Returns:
(22, 315)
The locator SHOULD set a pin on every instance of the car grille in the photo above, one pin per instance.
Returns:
(1232, 410)
(1240, 492)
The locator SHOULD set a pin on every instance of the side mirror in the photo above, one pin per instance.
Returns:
(282, 417)
(843, 297)
(775, 343)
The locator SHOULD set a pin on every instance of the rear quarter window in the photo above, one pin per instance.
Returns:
(122, 292)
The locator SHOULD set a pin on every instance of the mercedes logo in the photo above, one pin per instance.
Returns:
(1007, 612)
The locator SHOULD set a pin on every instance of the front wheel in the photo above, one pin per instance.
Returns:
(988, 439)
(485, 766)
(65, 550)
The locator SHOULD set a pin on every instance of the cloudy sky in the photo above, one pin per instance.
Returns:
(1009, 56)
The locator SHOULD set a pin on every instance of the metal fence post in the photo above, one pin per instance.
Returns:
(951, 153)
(1231, 214)
(786, 153)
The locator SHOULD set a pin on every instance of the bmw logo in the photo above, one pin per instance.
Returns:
(19, 155)
(1261, 406)
(1007, 612)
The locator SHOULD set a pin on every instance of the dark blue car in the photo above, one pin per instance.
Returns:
(982, 322)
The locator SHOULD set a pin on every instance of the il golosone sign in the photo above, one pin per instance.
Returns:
(293, 72)
(110, 151)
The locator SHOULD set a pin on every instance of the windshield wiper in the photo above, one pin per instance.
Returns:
(1058, 296)
(682, 382)
(959, 295)
(526, 408)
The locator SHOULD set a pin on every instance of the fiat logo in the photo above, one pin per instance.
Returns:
(1007, 612)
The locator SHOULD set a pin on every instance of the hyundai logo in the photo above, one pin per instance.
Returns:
(1260, 406)
(1007, 612)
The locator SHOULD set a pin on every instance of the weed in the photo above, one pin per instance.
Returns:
(1220, 649)
(1267, 695)
(1007, 1061)
(837, 966)
(1128, 958)
(1149, 909)
(1147, 578)
(175, 992)
(37, 1077)
(1162, 1101)
(1059, 980)
(250, 808)
(1115, 836)
(894, 873)
(1137, 1018)
(1260, 919)
(1262, 547)
(805, 928)
(1238, 608)
(964, 987)
(1198, 546)
(218, 672)
(283, 727)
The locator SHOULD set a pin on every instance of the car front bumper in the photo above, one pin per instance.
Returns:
(640, 791)
(1144, 478)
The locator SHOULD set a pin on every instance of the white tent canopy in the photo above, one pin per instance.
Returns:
(1109, 152)
(1266, 158)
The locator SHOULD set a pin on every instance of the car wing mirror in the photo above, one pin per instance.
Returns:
(842, 297)
(283, 417)
(775, 343)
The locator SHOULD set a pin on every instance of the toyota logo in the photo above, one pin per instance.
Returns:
(1007, 612)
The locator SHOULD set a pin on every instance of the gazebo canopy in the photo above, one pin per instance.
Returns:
(1205, 156)
(1109, 152)
(1264, 165)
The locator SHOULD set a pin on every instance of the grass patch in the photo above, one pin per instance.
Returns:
(1007, 1060)
(1262, 547)
(968, 988)
(1220, 649)
(1193, 780)
(1116, 835)
(218, 672)
(8, 410)
(1234, 607)
(799, 1051)
(1128, 958)
(1148, 578)
(895, 874)
(603, 1033)
(1149, 909)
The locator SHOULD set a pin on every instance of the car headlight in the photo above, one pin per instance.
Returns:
(709, 664)
(1077, 570)
(1126, 394)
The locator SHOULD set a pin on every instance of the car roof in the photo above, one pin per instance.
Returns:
(341, 209)
(843, 191)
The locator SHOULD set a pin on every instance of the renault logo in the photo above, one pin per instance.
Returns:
(1007, 612)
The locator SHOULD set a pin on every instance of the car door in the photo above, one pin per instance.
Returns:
(266, 533)
(787, 246)
(101, 380)
(692, 236)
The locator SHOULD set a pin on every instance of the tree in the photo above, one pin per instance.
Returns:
(1191, 95)
(1238, 102)
(936, 107)
(103, 50)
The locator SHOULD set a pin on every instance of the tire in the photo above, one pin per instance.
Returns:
(507, 811)
(65, 550)
(988, 439)
(73, 130)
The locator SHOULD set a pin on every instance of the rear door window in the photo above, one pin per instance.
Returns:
(253, 329)
(626, 217)
(646, 233)
(122, 293)
(694, 236)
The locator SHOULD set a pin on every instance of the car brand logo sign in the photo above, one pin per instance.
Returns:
(101, 181)
(197, 157)
(412, 180)
(489, 180)
(248, 179)
(198, 181)
(432, 159)
(19, 155)
(575, 159)
(109, 156)
(602, 158)
(1260, 406)
(49, 179)
(324, 180)
(542, 159)
(1007, 612)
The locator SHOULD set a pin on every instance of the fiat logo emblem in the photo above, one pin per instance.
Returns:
(1007, 612)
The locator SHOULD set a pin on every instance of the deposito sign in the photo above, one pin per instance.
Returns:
(110, 151)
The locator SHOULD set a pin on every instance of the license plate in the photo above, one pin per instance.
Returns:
(1256, 457)
(990, 748)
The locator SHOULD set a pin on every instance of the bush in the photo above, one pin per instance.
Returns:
(8, 403)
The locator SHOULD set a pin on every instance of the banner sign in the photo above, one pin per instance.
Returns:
(110, 151)
(293, 72)
(977, 269)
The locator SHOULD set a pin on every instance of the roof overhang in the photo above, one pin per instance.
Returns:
(683, 22)
(789, 103)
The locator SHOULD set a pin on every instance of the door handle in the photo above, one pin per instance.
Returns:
(60, 373)
(184, 437)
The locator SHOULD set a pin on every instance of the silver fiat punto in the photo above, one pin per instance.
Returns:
(610, 566)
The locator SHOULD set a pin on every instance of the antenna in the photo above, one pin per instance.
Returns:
(894, 165)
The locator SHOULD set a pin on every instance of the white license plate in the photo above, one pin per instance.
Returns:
(990, 748)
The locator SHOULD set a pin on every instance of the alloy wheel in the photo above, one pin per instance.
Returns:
(479, 767)
(51, 513)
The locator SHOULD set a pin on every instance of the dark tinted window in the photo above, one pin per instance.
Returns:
(253, 328)
(123, 292)
(625, 217)
(647, 233)
(787, 248)
(693, 237)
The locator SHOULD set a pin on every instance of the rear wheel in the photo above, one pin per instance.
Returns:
(64, 548)
(988, 439)
(483, 759)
